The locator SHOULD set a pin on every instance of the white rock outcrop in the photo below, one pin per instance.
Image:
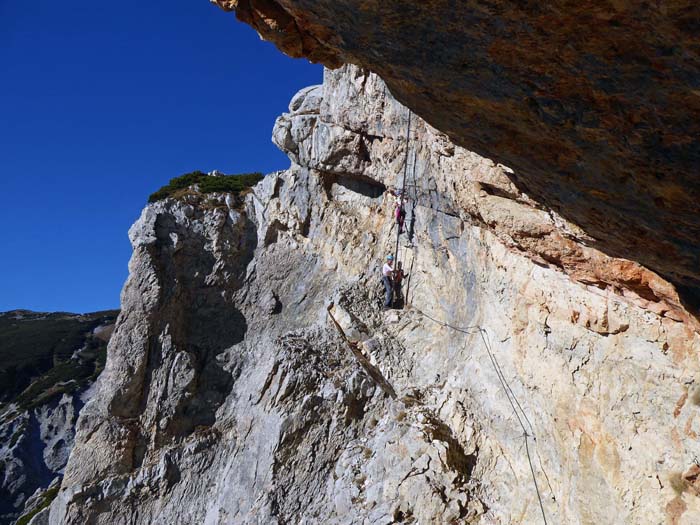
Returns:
(229, 396)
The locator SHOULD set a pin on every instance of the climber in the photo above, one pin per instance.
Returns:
(399, 211)
(398, 277)
(387, 272)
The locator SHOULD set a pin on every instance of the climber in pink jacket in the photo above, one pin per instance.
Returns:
(399, 210)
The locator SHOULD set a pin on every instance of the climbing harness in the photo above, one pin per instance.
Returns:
(512, 398)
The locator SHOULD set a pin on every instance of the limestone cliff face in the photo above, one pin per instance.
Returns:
(594, 104)
(229, 397)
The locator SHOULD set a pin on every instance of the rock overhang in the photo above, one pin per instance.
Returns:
(594, 105)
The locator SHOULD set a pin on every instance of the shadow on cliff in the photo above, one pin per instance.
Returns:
(34, 471)
(212, 327)
(690, 299)
(197, 321)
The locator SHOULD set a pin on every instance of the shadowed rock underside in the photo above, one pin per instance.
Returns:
(594, 104)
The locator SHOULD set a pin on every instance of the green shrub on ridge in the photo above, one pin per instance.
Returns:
(207, 184)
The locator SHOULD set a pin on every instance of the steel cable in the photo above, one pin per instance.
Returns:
(507, 390)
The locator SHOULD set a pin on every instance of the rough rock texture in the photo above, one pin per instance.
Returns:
(230, 396)
(34, 451)
(594, 104)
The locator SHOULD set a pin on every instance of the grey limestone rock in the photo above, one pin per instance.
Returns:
(231, 397)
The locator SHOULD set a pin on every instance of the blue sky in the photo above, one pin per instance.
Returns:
(100, 105)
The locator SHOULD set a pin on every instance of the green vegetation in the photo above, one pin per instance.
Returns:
(206, 184)
(63, 378)
(36, 353)
(49, 496)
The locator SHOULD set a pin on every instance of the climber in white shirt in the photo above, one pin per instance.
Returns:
(387, 273)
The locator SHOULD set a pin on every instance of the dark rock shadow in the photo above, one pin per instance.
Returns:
(357, 183)
(34, 472)
(690, 299)
(199, 315)
(212, 328)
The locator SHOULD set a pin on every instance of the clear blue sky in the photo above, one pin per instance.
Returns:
(100, 105)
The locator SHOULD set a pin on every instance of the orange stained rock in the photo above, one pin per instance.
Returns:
(679, 404)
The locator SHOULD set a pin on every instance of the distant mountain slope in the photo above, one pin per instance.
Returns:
(33, 344)
(48, 361)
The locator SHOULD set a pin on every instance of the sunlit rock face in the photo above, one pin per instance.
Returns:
(229, 395)
(595, 105)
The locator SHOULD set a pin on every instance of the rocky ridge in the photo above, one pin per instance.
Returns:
(230, 397)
